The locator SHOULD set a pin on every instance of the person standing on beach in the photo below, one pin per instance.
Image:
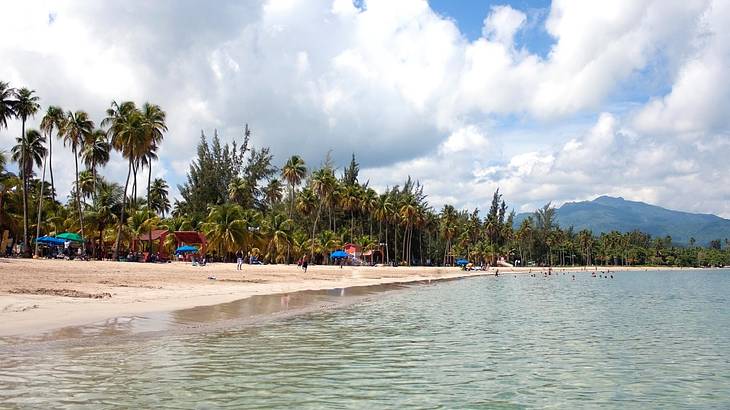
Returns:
(305, 264)
(239, 260)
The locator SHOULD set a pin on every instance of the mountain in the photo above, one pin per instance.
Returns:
(605, 214)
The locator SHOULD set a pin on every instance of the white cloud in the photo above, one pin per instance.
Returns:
(402, 87)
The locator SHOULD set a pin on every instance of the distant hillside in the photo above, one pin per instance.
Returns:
(605, 214)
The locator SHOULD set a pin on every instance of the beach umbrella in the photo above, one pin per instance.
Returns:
(70, 236)
(186, 249)
(49, 240)
(339, 254)
(461, 262)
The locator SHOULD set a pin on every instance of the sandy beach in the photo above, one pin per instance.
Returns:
(41, 295)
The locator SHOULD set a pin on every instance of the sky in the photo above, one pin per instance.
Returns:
(547, 101)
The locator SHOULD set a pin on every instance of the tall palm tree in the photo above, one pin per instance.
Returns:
(26, 106)
(30, 150)
(54, 118)
(323, 184)
(293, 173)
(76, 130)
(7, 103)
(127, 137)
(154, 127)
(95, 152)
(382, 211)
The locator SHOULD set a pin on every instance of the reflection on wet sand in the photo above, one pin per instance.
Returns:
(252, 310)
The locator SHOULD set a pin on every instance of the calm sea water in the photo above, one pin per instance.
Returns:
(642, 339)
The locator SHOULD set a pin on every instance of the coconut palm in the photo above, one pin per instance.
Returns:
(25, 106)
(225, 228)
(77, 129)
(7, 103)
(30, 150)
(278, 229)
(103, 212)
(96, 153)
(159, 201)
(382, 211)
(54, 118)
(272, 192)
(127, 137)
(293, 173)
(154, 127)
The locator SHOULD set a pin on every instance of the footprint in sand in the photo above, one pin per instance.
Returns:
(18, 308)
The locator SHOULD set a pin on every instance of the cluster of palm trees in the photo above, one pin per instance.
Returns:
(135, 133)
(277, 214)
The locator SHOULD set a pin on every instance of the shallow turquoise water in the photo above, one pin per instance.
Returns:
(642, 339)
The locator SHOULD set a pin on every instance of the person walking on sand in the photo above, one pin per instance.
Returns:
(305, 264)
(239, 260)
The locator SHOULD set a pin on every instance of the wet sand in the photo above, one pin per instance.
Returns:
(37, 296)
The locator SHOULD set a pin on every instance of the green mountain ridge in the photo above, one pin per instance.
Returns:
(606, 214)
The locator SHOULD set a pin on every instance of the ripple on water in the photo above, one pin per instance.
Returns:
(647, 338)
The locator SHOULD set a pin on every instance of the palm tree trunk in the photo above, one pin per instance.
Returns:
(40, 207)
(291, 210)
(100, 252)
(314, 230)
(23, 169)
(78, 203)
(121, 218)
(50, 163)
(149, 204)
(387, 252)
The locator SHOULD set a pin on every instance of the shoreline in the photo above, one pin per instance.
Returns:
(138, 288)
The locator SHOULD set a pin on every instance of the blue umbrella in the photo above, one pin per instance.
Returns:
(49, 240)
(461, 262)
(186, 249)
(339, 254)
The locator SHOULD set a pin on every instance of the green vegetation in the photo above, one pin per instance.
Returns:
(243, 201)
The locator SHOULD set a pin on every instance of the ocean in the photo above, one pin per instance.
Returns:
(640, 339)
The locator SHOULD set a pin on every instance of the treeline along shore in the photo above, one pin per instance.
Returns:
(246, 202)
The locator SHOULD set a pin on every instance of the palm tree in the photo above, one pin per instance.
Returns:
(350, 200)
(278, 228)
(154, 127)
(103, 212)
(32, 151)
(54, 118)
(29, 149)
(293, 173)
(158, 197)
(77, 129)
(127, 137)
(26, 106)
(382, 211)
(323, 185)
(7, 103)
(272, 192)
(96, 152)
(225, 228)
